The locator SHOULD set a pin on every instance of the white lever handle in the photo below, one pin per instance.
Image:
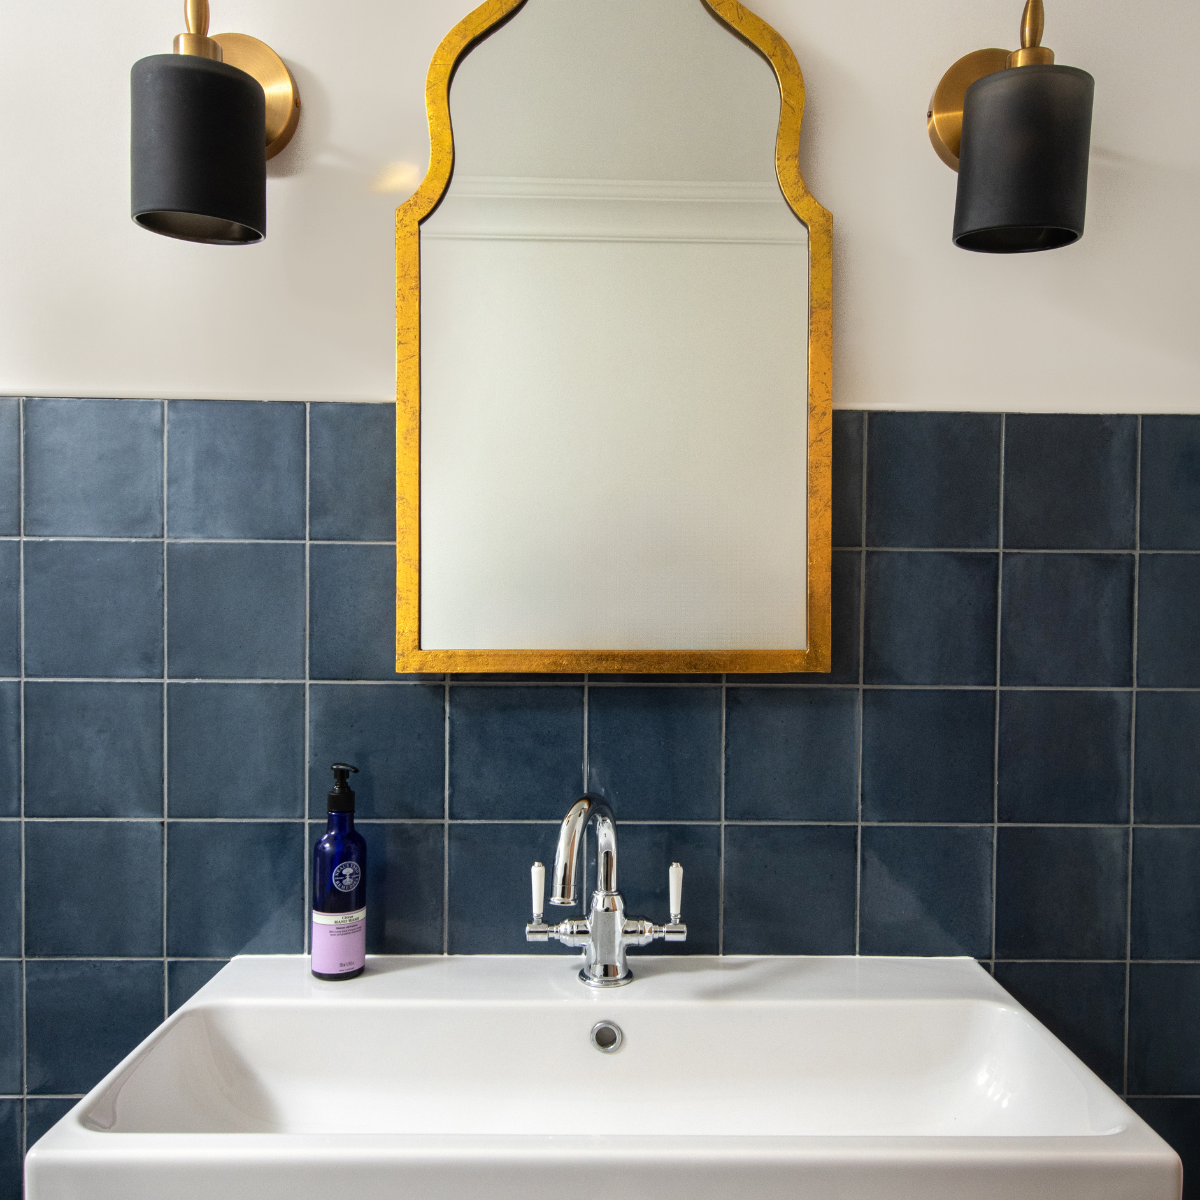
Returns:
(537, 877)
(675, 877)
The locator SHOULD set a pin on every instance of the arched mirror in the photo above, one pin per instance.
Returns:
(613, 347)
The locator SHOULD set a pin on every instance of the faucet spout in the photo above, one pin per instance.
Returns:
(607, 932)
(586, 810)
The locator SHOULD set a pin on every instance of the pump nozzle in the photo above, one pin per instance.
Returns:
(341, 798)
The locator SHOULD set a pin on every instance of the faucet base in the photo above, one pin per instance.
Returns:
(603, 982)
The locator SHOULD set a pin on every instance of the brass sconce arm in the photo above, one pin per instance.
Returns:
(255, 58)
(944, 118)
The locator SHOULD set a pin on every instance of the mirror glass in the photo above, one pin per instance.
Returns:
(614, 323)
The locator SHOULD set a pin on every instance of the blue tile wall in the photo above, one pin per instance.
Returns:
(1071, 482)
(94, 468)
(93, 749)
(933, 480)
(235, 470)
(183, 654)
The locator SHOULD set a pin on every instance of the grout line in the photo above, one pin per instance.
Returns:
(721, 844)
(586, 731)
(205, 541)
(996, 701)
(1011, 549)
(166, 745)
(306, 920)
(714, 822)
(446, 815)
(584, 892)
(751, 681)
(22, 1139)
(862, 643)
(1137, 559)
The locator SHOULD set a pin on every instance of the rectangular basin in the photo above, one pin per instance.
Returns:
(465, 1076)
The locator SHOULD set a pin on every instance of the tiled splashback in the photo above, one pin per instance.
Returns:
(977, 775)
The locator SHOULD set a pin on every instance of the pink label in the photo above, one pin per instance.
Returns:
(339, 941)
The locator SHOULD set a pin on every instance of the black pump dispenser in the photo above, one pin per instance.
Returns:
(341, 798)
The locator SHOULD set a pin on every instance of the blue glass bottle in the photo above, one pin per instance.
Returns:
(339, 881)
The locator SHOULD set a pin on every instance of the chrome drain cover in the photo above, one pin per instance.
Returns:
(607, 1037)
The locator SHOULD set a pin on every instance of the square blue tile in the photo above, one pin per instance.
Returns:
(1168, 759)
(791, 754)
(789, 889)
(1171, 483)
(10, 466)
(1168, 631)
(933, 479)
(646, 854)
(10, 749)
(10, 1149)
(1176, 1119)
(235, 469)
(235, 749)
(655, 752)
(186, 977)
(931, 618)
(10, 886)
(405, 872)
(1064, 756)
(845, 604)
(489, 889)
(516, 753)
(83, 1017)
(1060, 893)
(352, 472)
(94, 468)
(1164, 1052)
(928, 755)
(1083, 1004)
(10, 608)
(1165, 911)
(93, 750)
(395, 734)
(235, 888)
(847, 477)
(1070, 482)
(42, 1114)
(1067, 620)
(93, 888)
(926, 890)
(235, 611)
(10, 1027)
(353, 612)
(94, 609)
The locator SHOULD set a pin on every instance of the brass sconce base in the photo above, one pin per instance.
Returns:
(257, 59)
(283, 99)
(944, 119)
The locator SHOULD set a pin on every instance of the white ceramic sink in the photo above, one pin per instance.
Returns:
(473, 1077)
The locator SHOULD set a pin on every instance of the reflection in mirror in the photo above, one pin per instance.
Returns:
(614, 315)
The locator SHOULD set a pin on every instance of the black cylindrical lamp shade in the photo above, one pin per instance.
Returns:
(198, 150)
(1023, 165)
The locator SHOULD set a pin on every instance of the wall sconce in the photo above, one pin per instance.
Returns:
(205, 121)
(1017, 129)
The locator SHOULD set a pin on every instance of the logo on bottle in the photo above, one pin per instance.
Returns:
(346, 876)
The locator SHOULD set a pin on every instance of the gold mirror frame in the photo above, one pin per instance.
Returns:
(409, 655)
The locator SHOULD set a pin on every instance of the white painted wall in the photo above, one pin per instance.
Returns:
(92, 305)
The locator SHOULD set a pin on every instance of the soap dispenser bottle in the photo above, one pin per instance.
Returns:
(339, 880)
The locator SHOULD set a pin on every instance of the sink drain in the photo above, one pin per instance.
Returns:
(607, 1037)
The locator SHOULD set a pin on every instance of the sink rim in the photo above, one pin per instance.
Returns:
(521, 979)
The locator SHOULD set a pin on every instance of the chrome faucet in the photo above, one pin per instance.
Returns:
(606, 933)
